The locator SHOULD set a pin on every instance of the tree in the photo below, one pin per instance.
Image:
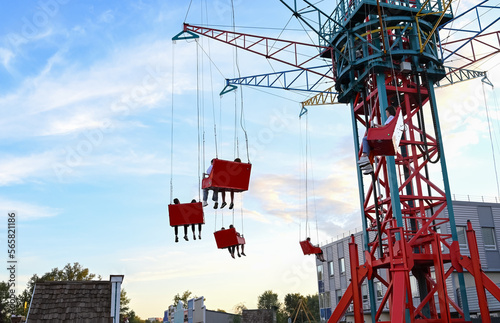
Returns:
(309, 301)
(291, 303)
(4, 302)
(184, 298)
(132, 318)
(238, 311)
(268, 300)
(313, 305)
(124, 308)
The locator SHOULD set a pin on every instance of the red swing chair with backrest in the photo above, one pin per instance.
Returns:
(309, 249)
(385, 140)
(227, 238)
(185, 214)
(228, 175)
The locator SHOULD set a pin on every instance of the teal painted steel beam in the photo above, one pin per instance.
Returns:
(457, 75)
(361, 190)
(449, 202)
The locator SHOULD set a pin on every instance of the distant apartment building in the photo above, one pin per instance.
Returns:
(334, 274)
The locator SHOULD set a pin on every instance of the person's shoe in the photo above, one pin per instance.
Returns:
(199, 236)
(186, 238)
(239, 255)
(367, 170)
(205, 203)
(231, 206)
(223, 204)
(232, 255)
(243, 254)
(364, 161)
(194, 237)
(176, 239)
(216, 205)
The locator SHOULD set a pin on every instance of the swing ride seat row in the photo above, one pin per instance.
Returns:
(309, 249)
(185, 214)
(385, 140)
(227, 238)
(228, 175)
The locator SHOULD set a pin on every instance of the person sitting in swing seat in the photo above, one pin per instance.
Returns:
(237, 247)
(364, 161)
(199, 226)
(231, 194)
(205, 190)
(319, 256)
(176, 228)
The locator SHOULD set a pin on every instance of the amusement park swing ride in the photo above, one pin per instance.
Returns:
(381, 54)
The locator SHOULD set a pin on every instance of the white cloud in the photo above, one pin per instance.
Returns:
(5, 57)
(27, 211)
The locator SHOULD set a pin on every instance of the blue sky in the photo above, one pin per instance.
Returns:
(86, 101)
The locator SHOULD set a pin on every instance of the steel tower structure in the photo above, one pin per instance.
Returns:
(387, 53)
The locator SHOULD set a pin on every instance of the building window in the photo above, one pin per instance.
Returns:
(378, 286)
(330, 268)
(342, 266)
(462, 241)
(489, 238)
(324, 300)
(364, 292)
(338, 292)
(320, 272)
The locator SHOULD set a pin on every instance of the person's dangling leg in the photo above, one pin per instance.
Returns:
(186, 232)
(205, 197)
(214, 198)
(176, 230)
(192, 229)
(243, 250)
(231, 205)
(364, 161)
(223, 194)
(199, 230)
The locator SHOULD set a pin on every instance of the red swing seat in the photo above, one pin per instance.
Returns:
(228, 175)
(185, 214)
(309, 249)
(385, 140)
(227, 238)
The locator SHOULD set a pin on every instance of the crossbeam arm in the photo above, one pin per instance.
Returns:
(292, 53)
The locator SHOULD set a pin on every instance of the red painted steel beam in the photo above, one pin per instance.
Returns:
(356, 286)
(283, 51)
(493, 43)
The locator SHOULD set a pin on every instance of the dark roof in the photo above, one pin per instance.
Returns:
(73, 301)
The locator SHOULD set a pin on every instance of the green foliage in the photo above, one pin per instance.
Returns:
(124, 301)
(4, 300)
(291, 304)
(132, 318)
(238, 308)
(184, 298)
(313, 305)
(268, 300)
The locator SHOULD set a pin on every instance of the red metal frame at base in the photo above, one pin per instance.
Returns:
(228, 176)
(185, 214)
(399, 261)
(227, 238)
